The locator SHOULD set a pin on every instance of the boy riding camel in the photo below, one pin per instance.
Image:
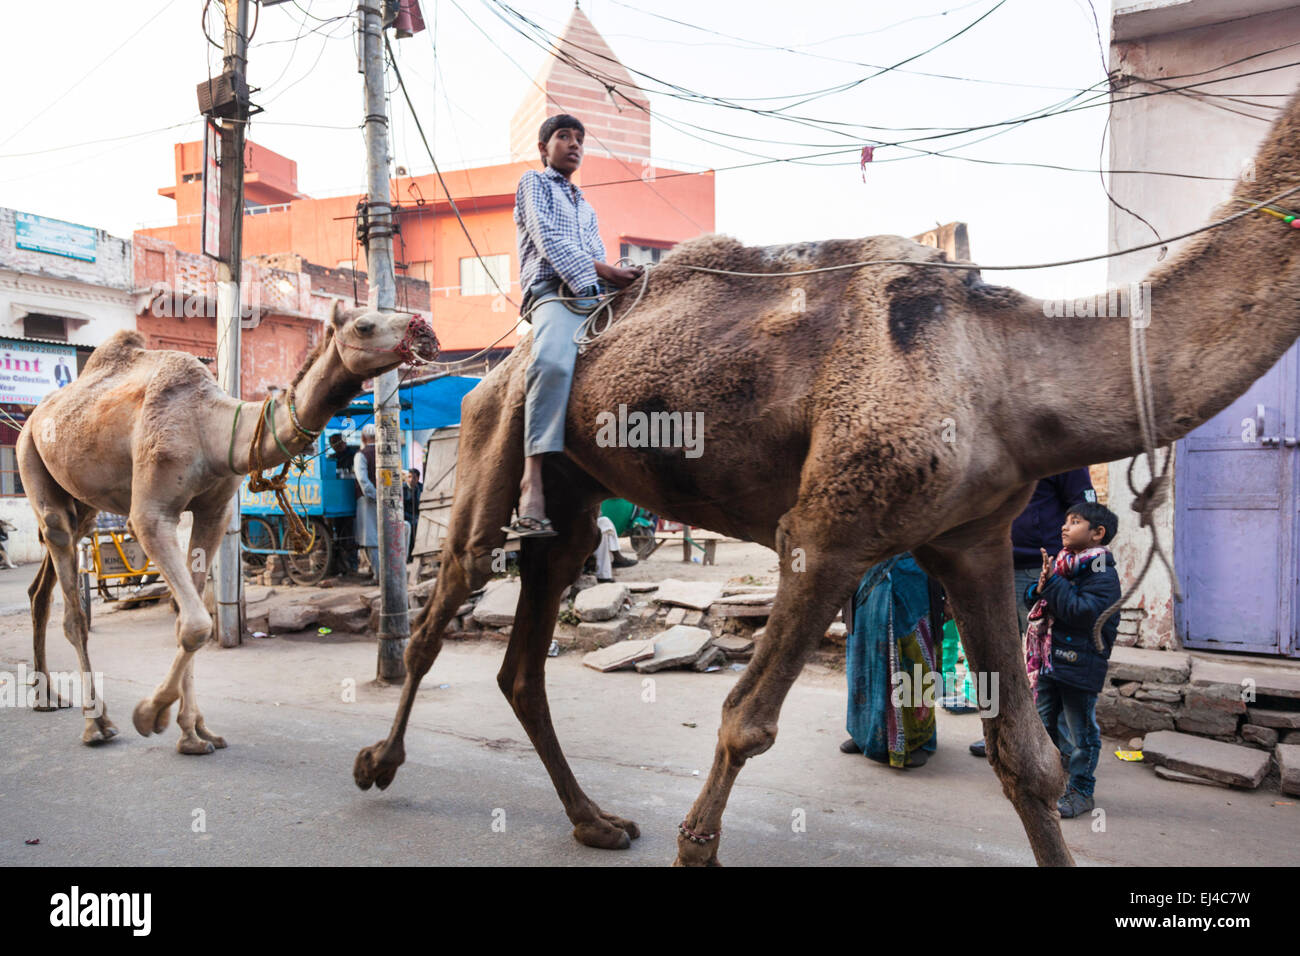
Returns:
(560, 256)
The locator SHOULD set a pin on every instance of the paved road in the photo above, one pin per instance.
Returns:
(282, 792)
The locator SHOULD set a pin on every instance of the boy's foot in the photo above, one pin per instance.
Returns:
(978, 749)
(849, 747)
(1074, 804)
(526, 526)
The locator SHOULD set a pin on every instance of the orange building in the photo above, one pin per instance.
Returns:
(643, 209)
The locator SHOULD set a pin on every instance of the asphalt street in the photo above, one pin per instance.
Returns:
(473, 792)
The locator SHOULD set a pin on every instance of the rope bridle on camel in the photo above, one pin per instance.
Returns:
(300, 536)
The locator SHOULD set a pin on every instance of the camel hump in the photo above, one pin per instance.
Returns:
(119, 349)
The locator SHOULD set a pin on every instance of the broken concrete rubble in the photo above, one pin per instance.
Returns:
(1227, 763)
(697, 595)
(496, 608)
(678, 646)
(600, 603)
(619, 655)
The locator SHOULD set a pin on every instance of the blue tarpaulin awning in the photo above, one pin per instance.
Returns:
(425, 405)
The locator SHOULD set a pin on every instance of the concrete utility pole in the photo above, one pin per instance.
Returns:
(394, 624)
(227, 578)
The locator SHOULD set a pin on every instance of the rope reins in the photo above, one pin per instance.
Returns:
(300, 537)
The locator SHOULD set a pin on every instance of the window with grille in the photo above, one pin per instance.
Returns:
(640, 255)
(37, 326)
(476, 275)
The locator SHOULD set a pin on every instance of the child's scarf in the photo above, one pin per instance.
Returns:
(1038, 636)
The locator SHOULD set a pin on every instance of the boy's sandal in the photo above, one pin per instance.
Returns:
(527, 526)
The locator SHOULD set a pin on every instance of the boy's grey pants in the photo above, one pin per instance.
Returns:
(550, 371)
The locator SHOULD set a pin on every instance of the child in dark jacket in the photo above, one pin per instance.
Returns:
(1066, 669)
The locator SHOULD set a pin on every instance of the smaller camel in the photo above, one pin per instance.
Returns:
(149, 434)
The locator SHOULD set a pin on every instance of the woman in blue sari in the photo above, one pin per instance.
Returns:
(891, 666)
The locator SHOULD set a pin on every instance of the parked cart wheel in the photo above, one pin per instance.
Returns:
(311, 566)
(258, 533)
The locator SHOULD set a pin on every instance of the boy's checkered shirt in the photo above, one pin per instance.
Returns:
(557, 231)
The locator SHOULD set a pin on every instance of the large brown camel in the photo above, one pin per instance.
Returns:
(149, 434)
(825, 440)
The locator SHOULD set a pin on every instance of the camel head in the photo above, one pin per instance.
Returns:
(370, 343)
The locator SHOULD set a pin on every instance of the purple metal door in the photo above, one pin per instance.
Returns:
(1235, 521)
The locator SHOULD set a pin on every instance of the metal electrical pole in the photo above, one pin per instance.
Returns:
(227, 579)
(394, 625)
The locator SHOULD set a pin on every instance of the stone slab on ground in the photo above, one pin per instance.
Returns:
(640, 587)
(600, 603)
(601, 633)
(697, 595)
(1227, 763)
(291, 617)
(740, 610)
(1268, 680)
(1122, 716)
(496, 608)
(619, 655)
(1288, 761)
(675, 616)
(1265, 737)
(1142, 664)
(1281, 719)
(693, 618)
(734, 646)
(712, 657)
(756, 597)
(678, 646)
(1165, 773)
(1212, 710)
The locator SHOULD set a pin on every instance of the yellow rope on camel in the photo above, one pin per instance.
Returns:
(301, 539)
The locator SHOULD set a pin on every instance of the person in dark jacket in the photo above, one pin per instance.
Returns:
(1038, 529)
(1065, 666)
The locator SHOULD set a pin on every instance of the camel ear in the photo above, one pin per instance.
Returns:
(336, 317)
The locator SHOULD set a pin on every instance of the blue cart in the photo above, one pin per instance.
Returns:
(324, 497)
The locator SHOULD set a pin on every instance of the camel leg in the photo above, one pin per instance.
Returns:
(157, 533)
(547, 567)
(205, 539)
(40, 592)
(490, 463)
(817, 576)
(62, 520)
(976, 573)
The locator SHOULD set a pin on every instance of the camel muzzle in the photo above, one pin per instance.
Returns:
(419, 344)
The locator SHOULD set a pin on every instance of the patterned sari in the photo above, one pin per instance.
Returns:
(891, 647)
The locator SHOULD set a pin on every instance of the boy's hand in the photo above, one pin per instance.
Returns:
(617, 276)
(1046, 571)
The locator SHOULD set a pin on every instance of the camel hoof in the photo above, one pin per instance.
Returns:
(690, 853)
(98, 732)
(209, 736)
(148, 718)
(371, 769)
(607, 833)
(195, 745)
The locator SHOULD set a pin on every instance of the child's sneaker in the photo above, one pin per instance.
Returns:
(1074, 804)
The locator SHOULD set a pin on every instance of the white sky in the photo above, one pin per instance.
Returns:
(91, 79)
